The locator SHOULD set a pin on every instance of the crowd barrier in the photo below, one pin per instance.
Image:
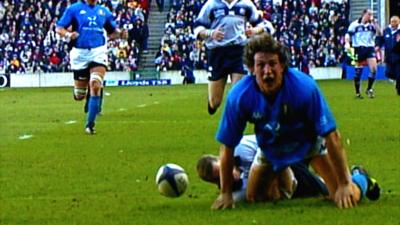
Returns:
(165, 78)
(380, 73)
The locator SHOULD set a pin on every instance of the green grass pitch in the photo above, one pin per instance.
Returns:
(51, 172)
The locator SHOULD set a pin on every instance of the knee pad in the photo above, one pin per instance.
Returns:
(79, 93)
(95, 76)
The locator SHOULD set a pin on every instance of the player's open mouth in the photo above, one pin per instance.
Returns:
(268, 79)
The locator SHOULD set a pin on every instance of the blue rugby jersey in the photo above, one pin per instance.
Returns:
(287, 128)
(362, 35)
(231, 18)
(90, 22)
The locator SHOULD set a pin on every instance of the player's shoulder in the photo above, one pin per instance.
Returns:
(299, 81)
(300, 76)
(243, 89)
(76, 6)
(355, 23)
(244, 84)
(212, 3)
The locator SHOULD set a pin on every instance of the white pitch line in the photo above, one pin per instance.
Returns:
(107, 94)
(142, 106)
(25, 136)
(122, 109)
(70, 122)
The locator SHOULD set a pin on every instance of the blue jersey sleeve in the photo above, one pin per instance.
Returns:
(203, 18)
(233, 121)
(110, 25)
(66, 20)
(320, 114)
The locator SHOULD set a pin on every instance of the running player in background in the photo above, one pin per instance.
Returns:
(361, 36)
(89, 52)
(224, 27)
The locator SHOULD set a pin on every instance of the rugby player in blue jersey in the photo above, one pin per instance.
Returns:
(295, 181)
(291, 120)
(225, 26)
(89, 50)
(361, 36)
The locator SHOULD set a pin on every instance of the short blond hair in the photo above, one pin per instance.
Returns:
(205, 167)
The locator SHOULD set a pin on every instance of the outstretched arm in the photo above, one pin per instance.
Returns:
(345, 196)
(225, 199)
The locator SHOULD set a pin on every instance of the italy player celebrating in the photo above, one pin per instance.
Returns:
(291, 120)
(89, 52)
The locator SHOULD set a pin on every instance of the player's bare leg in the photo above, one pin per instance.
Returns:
(372, 64)
(215, 94)
(80, 89)
(235, 77)
(259, 184)
(322, 165)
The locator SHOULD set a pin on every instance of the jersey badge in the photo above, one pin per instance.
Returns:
(101, 12)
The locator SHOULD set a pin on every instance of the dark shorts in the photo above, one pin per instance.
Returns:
(225, 60)
(84, 75)
(308, 184)
(364, 53)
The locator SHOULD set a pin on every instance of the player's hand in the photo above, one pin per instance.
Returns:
(217, 34)
(224, 201)
(347, 46)
(345, 196)
(71, 35)
(252, 31)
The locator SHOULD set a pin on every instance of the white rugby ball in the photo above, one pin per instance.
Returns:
(171, 180)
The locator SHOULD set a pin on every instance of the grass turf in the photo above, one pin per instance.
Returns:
(59, 175)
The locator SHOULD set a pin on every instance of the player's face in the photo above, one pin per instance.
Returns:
(367, 17)
(215, 176)
(269, 72)
(394, 22)
(92, 2)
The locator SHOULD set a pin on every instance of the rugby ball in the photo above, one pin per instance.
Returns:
(172, 180)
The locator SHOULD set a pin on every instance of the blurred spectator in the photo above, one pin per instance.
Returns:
(27, 30)
(140, 33)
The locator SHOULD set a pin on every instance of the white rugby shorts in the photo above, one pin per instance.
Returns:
(318, 149)
(81, 57)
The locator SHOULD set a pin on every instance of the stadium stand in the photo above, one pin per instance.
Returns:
(29, 43)
(313, 30)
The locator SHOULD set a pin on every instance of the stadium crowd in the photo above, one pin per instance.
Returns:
(313, 30)
(29, 43)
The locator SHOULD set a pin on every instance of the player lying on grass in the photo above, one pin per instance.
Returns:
(290, 117)
(295, 181)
